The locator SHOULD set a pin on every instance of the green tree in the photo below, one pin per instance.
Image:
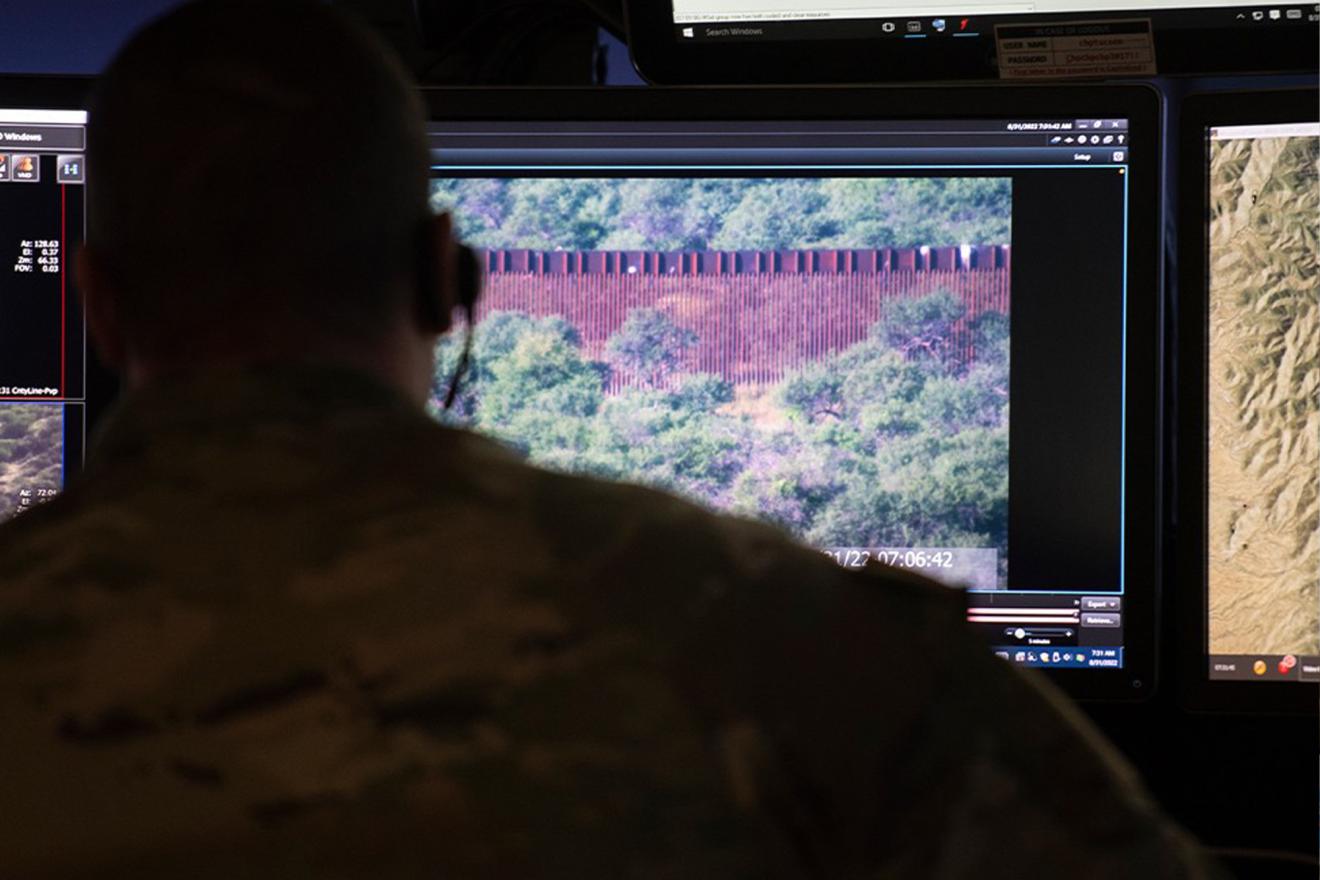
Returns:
(541, 394)
(777, 214)
(710, 201)
(909, 212)
(479, 207)
(650, 346)
(921, 328)
(672, 439)
(555, 213)
(493, 340)
(650, 215)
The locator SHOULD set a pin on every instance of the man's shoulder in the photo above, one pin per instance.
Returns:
(646, 535)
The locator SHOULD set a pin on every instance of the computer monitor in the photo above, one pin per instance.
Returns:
(798, 41)
(1249, 444)
(44, 384)
(819, 307)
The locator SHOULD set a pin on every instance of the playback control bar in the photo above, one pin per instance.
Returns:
(1031, 629)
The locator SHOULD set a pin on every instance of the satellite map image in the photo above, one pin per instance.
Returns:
(31, 454)
(1264, 394)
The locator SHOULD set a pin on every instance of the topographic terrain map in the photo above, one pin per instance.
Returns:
(1264, 396)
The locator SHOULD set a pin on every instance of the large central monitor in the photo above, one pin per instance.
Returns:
(915, 328)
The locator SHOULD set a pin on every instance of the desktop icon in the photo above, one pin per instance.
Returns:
(888, 27)
(4, 166)
(1274, 14)
(1119, 155)
(1258, 667)
(69, 169)
(1020, 656)
(1056, 139)
(1002, 655)
(1109, 139)
(1294, 13)
(913, 27)
(1067, 657)
(1258, 15)
(964, 24)
(25, 168)
(1286, 664)
(689, 33)
(938, 24)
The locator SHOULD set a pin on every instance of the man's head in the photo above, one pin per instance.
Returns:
(259, 192)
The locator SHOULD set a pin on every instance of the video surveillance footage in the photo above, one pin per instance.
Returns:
(865, 411)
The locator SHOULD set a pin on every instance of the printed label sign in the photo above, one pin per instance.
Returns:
(1076, 49)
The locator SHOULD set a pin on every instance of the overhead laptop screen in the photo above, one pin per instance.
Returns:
(900, 340)
(838, 41)
(1263, 406)
(41, 328)
(934, 19)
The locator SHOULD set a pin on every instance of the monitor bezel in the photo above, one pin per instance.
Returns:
(661, 58)
(1197, 691)
(1141, 104)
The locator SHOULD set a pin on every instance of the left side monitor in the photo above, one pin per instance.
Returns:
(43, 352)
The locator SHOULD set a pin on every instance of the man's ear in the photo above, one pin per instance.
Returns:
(102, 304)
(437, 275)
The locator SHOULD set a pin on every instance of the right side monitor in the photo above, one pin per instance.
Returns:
(1250, 295)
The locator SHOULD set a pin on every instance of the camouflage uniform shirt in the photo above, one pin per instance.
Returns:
(285, 625)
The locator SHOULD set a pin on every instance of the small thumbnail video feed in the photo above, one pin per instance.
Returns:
(1264, 397)
(31, 455)
(827, 354)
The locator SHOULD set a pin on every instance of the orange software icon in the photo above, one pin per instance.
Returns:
(23, 165)
(1259, 667)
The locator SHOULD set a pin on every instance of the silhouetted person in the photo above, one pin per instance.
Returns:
(285, 625)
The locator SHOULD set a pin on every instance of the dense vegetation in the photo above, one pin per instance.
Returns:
(663, 214)
(887, 443)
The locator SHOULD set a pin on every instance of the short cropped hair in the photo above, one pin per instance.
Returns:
(254, 159)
